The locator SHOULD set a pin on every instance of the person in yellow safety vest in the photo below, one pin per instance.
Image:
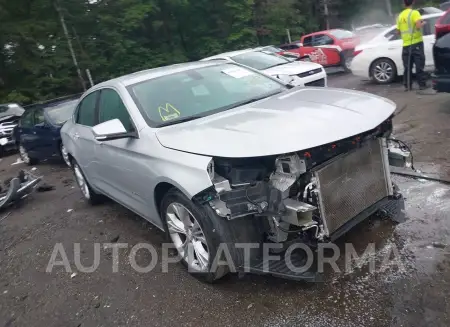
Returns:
(409, 24)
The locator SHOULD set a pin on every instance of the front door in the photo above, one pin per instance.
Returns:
(119, 161)
(43, 142)
(25, 130)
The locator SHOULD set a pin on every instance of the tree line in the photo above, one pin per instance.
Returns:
(115, 37)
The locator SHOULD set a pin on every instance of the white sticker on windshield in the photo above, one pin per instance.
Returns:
(237, 72)
(3, 141)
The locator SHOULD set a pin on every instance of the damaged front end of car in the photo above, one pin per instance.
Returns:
(311, 196)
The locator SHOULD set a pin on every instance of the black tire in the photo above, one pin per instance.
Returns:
(380, 64)
(30, 161)
(93, 198)
(64, 157)
(345, 56)
(217, 230)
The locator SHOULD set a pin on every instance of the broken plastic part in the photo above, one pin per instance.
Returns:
(298, 213)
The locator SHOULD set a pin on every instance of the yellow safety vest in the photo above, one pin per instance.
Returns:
(406, 24)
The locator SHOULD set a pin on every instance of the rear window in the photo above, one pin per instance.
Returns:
(445, 20)
(60, 113)
(342, 34)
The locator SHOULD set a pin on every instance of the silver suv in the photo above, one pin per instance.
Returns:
(217, 153)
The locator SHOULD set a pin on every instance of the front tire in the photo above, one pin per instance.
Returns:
(25, 157)
(196, 232)
(87, 191)
(383, 71)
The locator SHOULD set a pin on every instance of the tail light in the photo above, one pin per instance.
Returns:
(443, 25)
(356, 52)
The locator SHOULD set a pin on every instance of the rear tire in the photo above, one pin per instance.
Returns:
(346, 59)
(383, 71)
(87, 191)
(65, 155)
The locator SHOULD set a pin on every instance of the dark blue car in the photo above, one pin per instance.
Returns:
(37, 134)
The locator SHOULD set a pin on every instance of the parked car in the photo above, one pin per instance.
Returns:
(299, 73)
(381, 58)
(215, 153)
(37, 134)
(327, 57)
(343, 41)
(10, 114)
(445, 6)
(441, 54)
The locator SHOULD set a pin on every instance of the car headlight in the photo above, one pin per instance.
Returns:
(288, 79)
(210, 169)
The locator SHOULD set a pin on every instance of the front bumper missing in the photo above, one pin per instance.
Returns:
(392, 206)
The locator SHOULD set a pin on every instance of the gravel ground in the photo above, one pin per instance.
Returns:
(411, 289)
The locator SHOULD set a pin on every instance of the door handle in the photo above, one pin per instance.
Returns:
(76, 135)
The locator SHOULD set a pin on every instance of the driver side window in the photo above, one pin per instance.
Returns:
(322, 39)
(111, 107)
(27, 120)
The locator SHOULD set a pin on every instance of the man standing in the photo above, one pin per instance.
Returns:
(409, 24)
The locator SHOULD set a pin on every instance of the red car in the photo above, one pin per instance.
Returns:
(342, 41)
(327, 57)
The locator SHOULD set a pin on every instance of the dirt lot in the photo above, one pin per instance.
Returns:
(413, 290)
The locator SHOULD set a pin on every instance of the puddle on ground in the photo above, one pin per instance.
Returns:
(408, 260)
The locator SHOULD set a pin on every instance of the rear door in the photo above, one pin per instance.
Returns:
(83, 137)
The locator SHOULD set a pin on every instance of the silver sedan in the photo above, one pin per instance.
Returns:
(218, 153)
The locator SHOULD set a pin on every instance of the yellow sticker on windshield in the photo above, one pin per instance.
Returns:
(168, 112)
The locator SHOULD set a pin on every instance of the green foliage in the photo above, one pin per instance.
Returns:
(115, 37)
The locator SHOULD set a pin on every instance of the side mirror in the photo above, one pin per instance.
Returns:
(111, 130)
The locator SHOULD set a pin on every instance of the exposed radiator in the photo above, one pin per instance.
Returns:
(352, 183)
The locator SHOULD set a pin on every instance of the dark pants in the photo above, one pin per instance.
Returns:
(417, 59)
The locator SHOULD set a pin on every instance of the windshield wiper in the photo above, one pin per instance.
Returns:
(281, 63)
(243, 103)
(182, 120)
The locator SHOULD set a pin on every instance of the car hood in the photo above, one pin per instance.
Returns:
(292, 68)
(295, 120)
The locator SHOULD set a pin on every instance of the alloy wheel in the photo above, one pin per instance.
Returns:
(24, 155)
(81, 181)
(383, 71)
(188, 237)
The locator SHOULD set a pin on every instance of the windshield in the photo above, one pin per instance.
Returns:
(259, 60)
(342, 34)
(271, 49)
(60, 113)
(200, 92)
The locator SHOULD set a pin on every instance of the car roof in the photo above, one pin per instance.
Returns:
(388, 29)
(326, 31)
(152, 73)
(232, 53)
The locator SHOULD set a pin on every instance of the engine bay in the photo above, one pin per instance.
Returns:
(285, 190)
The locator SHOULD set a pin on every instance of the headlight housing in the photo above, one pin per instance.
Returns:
(288, 79)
